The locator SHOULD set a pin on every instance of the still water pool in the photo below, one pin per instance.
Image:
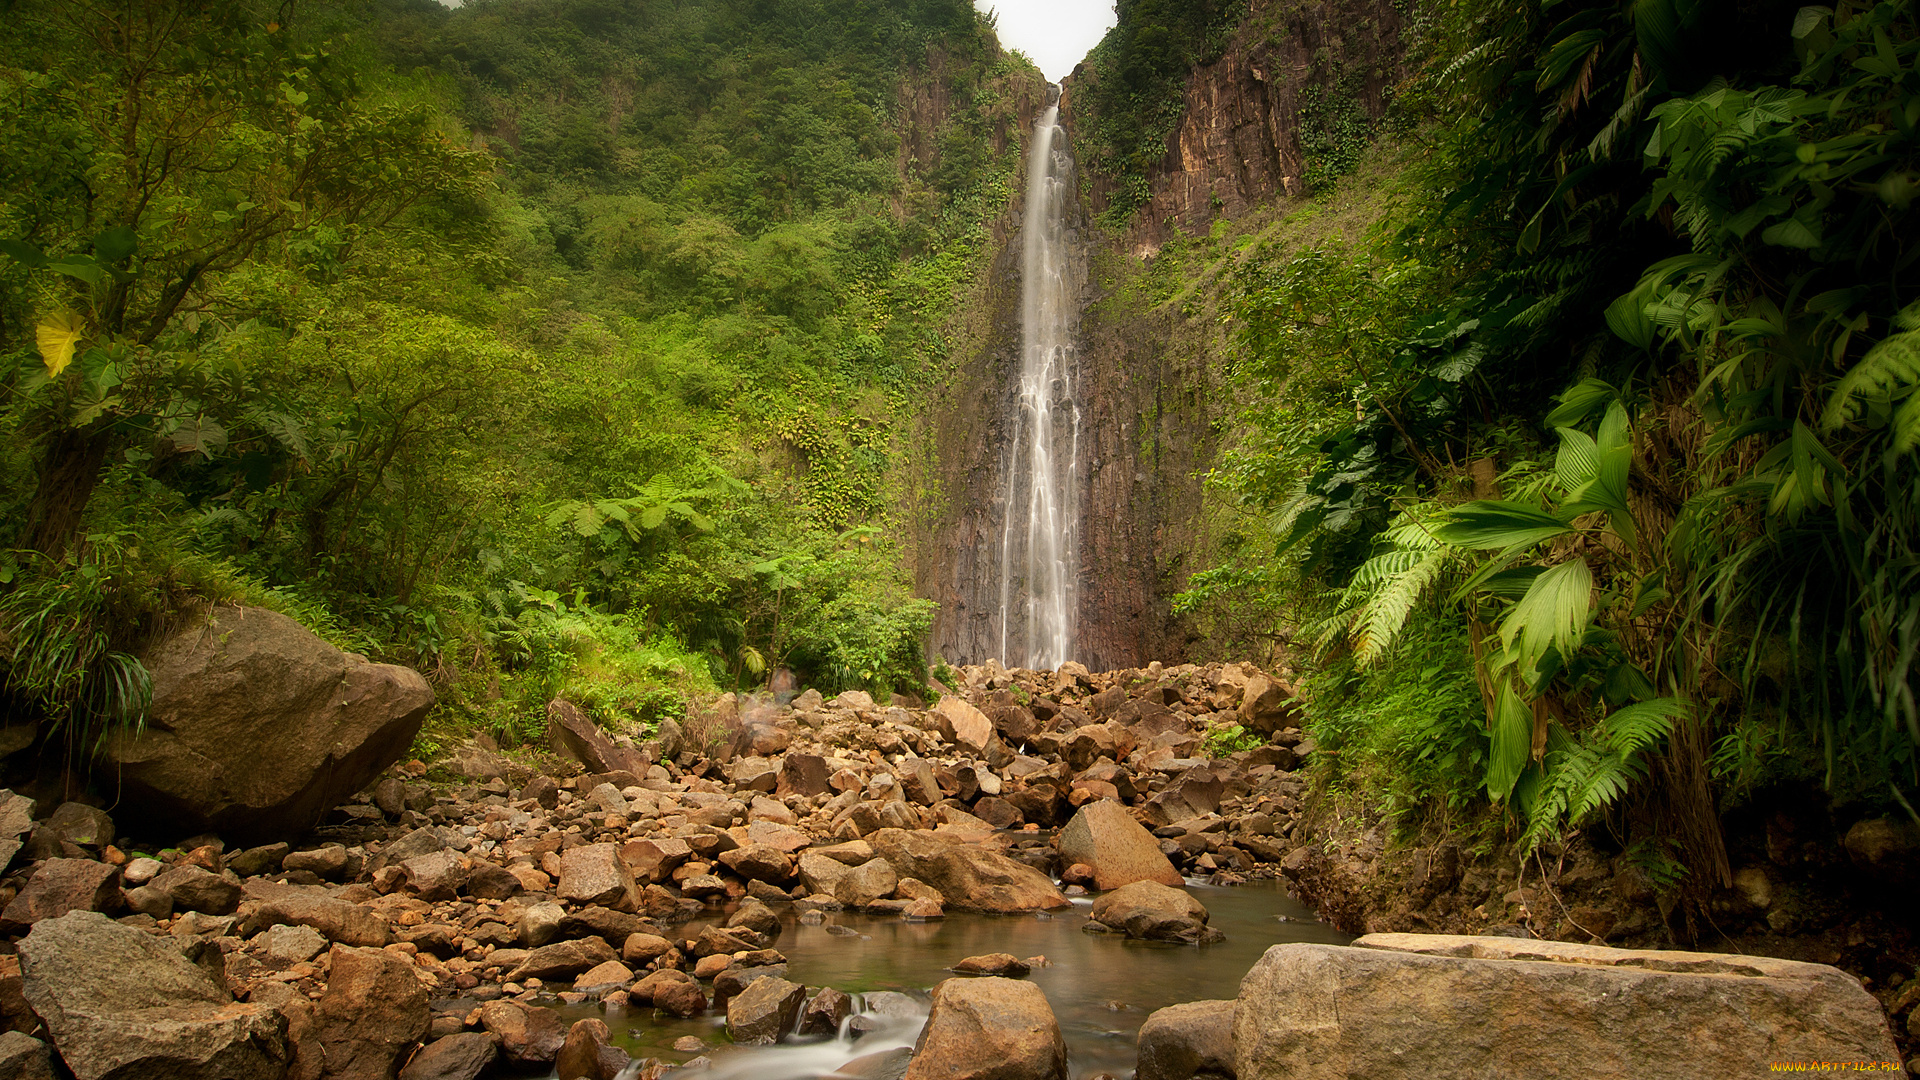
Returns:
(1102, 987)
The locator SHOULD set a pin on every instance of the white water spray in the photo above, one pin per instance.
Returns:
(1040, 539)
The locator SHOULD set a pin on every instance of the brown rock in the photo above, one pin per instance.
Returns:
(1120, 850)
(758, 862)
(594, 874)
(1267, 705)
(824, 1014)
(989, 1029)
(971, 878)
(348, 924)
(962, 724)
(1152, 911)
(257, 728)
(1310, 1011)
(1192, 1039)
(121, 1004)
(802, 774)
(461, 1056)
(653, 861)
(588, 1053)
(563, 959)
(765, 1011)
(527, 1034)
(992, 964)
(644, 948)
(576, 736)
(866, 883)
(60, 886)
(373, 1010)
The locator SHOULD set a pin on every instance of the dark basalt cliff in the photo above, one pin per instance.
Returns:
(1152, 394)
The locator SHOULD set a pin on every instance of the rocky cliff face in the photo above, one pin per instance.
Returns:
(1251, 117)
(1150, 372)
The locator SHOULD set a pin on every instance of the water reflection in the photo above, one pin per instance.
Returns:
(1102, 988)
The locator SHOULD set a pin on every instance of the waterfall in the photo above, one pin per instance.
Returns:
(1039, 564)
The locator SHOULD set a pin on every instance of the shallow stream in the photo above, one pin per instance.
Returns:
(1102, 987)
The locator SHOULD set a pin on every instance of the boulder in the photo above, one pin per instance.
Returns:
(999, 963)
(374, 1009)
(16, 819)
(527, 1034)
(826, 1012)
(970, 878)
(802, 774)
(60, 886)
(1154, 912)
(1267, 705)
(765, 1011)
(862, 885)
(81, 825)
(588, 1053)
(594, 874)
(298, 905)
(989, 1029)
(193, 889)
(461, 1056)
(563, 959)
(579, 738)
(328, 861)
(23, 1057)
(440, 875)
(962, 724)
(257, 728)
(1189, 1041)
(1510, 1007)
(122, 1004)
(1120, 850)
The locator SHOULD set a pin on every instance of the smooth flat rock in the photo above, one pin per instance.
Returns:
(460, 1056)
(1121, 851)
(1154, 912)
(1307, 1012)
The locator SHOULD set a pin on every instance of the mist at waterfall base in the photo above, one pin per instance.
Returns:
(1101, 986)
(1039, 542)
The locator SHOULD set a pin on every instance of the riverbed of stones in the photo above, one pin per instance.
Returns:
(435, 928)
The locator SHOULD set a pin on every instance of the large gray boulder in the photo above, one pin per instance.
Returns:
(120, 1004)
(1121, 851)
(989, 1029)
(971, 878)
(1465, 1006)
(258, 727)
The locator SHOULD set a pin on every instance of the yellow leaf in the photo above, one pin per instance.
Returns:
(59, 335)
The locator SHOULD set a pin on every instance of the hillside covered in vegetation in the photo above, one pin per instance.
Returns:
(543, 346)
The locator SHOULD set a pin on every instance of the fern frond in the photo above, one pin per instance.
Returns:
(1890, 367)
(1385, 615)
(1630, 730)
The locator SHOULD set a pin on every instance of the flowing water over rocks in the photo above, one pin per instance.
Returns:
(782, 891)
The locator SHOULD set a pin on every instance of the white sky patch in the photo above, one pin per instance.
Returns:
(1056, 34)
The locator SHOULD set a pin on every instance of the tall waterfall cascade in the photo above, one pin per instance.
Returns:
(1039, 544)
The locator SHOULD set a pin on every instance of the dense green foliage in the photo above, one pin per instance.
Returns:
(552, 346)
(1620, 400)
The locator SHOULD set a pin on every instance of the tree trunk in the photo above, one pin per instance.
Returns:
(69, 472)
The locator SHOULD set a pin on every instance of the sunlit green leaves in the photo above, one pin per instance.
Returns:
(1492, 524)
